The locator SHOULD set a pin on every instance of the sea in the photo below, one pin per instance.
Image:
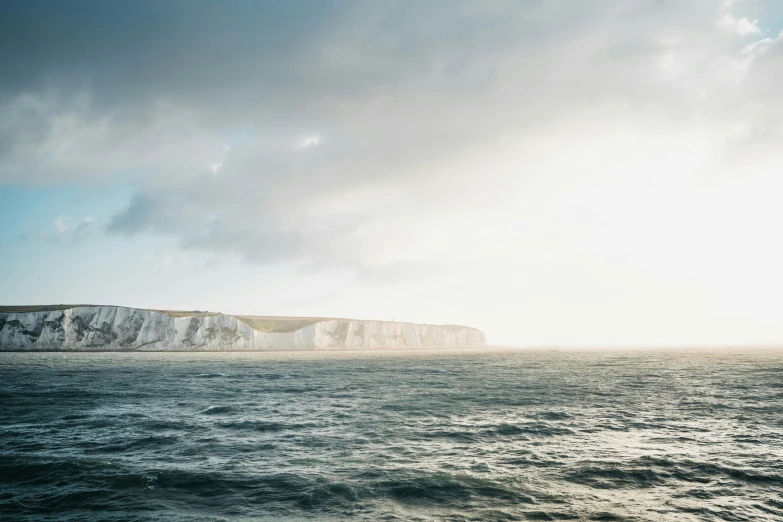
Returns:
(455, 435)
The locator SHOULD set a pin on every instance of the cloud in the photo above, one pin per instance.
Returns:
(205, 216)
(408, 95)
(54, 138)
(741, 26)
(68, 230)
(311, 141)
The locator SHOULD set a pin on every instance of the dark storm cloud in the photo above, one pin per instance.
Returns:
(128, 52)
(312, 63)
(264, 57)
(104, 74)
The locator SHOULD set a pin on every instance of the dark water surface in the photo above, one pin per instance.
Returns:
(379, 436)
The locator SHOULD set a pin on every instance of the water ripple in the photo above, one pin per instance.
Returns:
(365, 436)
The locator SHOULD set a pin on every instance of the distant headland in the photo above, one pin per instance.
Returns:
(118, 328)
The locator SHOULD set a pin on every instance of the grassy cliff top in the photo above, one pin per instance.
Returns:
(184, 313)
(38, 308)
(264, 323)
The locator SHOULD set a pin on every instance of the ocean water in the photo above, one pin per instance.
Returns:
(391, 436)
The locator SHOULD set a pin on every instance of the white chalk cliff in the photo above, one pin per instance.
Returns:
(114, 328)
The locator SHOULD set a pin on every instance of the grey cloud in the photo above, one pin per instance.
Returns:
(278, 60)
(147, 92)
(130, 52)
(387, 83)
(206, 225)
(141, 213)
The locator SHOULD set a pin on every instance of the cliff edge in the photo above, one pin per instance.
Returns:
(116, 328)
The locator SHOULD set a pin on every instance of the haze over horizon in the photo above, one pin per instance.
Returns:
(552, 173)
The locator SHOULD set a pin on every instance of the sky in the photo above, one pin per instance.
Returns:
(559, 173)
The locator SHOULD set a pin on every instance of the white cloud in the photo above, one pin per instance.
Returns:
(216, 166)
(311, 141)
(68, 229)
(742, 26)
(61, 224)
(761, 46)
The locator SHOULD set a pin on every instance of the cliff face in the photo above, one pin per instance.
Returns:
(85, 328)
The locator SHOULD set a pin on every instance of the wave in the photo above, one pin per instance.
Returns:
(261, 425)
(218, 410)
